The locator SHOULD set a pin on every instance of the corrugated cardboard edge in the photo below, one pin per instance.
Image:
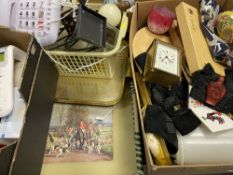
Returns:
(133, 26)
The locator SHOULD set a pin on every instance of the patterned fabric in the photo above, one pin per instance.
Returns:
(220, 50)
(209, 10)
(222, 102)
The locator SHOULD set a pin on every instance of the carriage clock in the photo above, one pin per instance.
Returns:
(163, 64)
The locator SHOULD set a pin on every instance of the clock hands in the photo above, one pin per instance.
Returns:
(167, 58)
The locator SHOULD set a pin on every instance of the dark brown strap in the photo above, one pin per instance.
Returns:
(11, 37)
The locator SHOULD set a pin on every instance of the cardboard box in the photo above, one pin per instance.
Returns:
(38, 87)
(139, 17)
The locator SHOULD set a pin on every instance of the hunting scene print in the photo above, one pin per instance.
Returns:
(79, 133)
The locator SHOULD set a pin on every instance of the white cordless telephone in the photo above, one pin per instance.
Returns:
(38, 17)
(6, 80)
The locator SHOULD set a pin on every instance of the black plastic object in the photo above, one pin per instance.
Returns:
(90, 27)
(83, 2)
(68, 22)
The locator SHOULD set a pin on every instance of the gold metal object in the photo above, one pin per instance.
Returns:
(163, 64)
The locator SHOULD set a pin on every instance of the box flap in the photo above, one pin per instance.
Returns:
(6, 155)
(41, 73)
(19, 39)
(38, 88)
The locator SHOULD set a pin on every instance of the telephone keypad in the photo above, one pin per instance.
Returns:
(34, 16)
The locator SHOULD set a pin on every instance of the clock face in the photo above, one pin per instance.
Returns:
(166, 59)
